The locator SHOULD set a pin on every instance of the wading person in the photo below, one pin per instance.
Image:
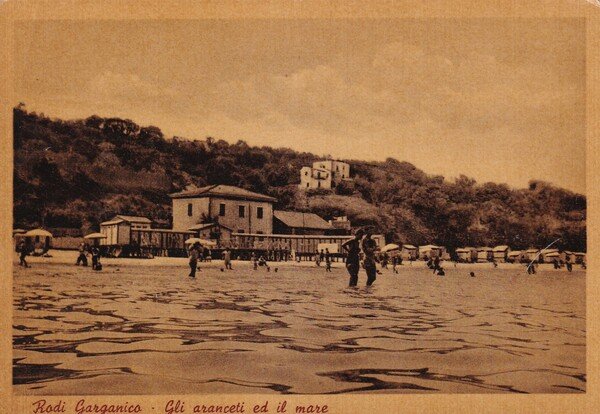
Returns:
(194, 254)
(227, 258)
(82, 258)
(96, 259)
(352, 248)
(327, 261)
(23, 250)
(368, 247)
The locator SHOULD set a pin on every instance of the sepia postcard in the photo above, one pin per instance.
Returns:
(299, 207)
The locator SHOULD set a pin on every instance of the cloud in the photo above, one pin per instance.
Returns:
(127, 87)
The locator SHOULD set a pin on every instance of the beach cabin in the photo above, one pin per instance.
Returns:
(580, 258)
(531, 254)
(430, 251)
(409, 252)
(549, 255)
(516, 256)
(554, 256)
(500, 253)
(466, 254)
(118, 229)
(485, 254)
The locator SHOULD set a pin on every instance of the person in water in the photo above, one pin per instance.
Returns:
(352, 248)
(327, 261)
(368, 247)
(194, 254)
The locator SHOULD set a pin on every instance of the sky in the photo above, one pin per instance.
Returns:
(499, 100)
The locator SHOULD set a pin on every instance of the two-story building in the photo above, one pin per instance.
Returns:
(240, 210)
(325, 174)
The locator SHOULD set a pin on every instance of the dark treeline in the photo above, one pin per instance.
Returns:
(74, 174)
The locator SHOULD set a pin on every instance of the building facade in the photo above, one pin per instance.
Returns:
(241, 210)
(326, 174)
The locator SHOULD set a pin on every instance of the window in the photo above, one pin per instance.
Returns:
(305, 172)
(260, 238)
(259, 212)
(242, 210)
(318, 183)
(221, 209)
(190, 209)
(241, 231)
(307, 184)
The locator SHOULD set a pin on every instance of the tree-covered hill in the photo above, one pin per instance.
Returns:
(74, 174)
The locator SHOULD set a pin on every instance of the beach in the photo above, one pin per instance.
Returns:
(144, 327)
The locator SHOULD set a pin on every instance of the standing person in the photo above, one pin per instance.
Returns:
(384, 260)
(394, 264)
(95, 258)
(436, 264)
(327, 261)
(368, 247)
(352, 248)
(82, 258)
(194, 254)
(227, 258)
(23, 250)
(569, 264)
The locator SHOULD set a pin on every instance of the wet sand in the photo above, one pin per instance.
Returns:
(144, 327)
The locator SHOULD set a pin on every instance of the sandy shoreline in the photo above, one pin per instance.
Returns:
(68, 257)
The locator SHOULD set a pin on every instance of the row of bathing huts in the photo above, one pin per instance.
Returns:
(499, 254)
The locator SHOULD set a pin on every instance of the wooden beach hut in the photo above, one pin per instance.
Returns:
(118, 229)
(580, 257)
(516, 256)
(531, 254)
(550, 255)
(484, 254)
(554, 256)
(430, 251)
(500, 253)
(409, 252)
(466, 254)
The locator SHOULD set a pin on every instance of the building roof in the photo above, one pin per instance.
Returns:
(515, 253)
(133, 219)
(464, 250)
(224, 191)
(430, 246)
(203, 226)
(301, 220)
(500, 248)
(409, 246)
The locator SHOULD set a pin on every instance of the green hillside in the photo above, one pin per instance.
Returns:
(74, 174)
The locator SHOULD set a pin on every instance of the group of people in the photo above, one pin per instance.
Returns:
(324, 255)
(84, 251)
(362, 241)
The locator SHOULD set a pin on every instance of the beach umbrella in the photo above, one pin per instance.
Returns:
(38, 232)
(95, 236)
(390, 247)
